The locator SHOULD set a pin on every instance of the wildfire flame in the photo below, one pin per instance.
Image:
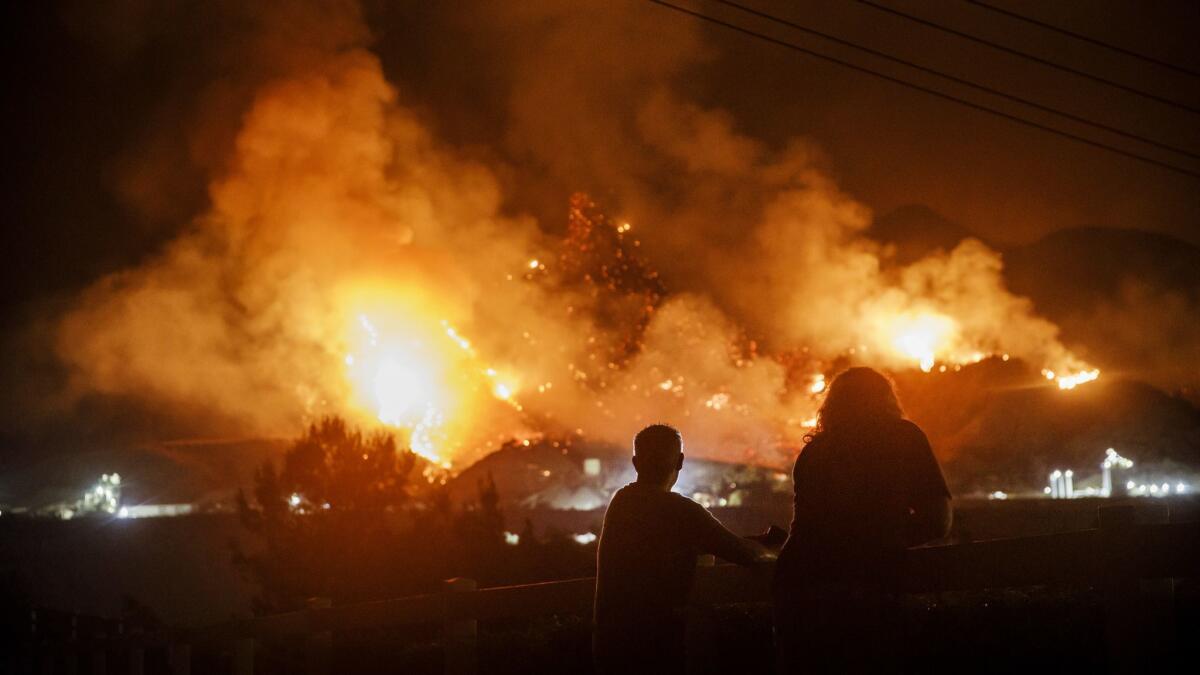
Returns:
(922, 337)
(409, 370)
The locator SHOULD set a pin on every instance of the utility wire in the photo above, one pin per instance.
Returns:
(1031, 57)
(1085, 38)
(965, 82)
(928, 90)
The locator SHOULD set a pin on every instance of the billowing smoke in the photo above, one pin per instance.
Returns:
(351, 262)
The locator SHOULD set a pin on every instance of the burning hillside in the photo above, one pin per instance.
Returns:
(352, 263)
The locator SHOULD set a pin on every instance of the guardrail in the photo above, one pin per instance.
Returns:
(1114, 557)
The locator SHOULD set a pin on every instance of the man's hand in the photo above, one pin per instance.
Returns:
(773, 537)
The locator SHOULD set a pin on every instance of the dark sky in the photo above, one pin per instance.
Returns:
(81, 95)
(117, 115)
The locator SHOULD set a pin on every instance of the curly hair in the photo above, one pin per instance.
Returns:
(857, 397)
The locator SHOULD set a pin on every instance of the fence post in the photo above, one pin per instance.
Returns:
(243, 656)
(137, 660)
(319, 645)
(99, 660)
(179, 658)
(460, 636)
(1120, 591)
(71, 654)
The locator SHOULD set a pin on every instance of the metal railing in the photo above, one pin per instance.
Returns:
(1115, 558)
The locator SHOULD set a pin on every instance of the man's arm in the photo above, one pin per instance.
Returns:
(715, 538)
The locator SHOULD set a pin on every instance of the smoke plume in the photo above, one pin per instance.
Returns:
(352, 261)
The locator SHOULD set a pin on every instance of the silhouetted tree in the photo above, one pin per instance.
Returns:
(331, 519)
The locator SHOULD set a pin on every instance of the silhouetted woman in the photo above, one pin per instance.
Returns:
(867, 486)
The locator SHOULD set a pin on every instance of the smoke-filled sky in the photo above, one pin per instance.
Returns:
(228, 217)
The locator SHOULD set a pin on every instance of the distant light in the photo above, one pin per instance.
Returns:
(999, 494)
(533, 264)
(585, 538)
(512, 538)
(294, 500)
(1181, 488)
(123, 512)
(591, 466)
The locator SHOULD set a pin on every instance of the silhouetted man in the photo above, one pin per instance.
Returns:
(647, 560)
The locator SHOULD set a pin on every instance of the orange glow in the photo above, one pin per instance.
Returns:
(409, 369)
(922, 337)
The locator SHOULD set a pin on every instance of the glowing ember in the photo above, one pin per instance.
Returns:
(1075, 379)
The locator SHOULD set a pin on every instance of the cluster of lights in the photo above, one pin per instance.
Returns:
(1155, 489)
(1062, 482)
(299, 504)
(105, 496)
(583, 539)
(1112, 460)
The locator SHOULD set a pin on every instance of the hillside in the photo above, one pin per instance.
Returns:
(1126, 300)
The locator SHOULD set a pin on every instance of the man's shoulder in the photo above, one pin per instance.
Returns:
(668, 500)
(686, 506)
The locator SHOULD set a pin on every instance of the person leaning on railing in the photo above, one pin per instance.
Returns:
(867, 486)
(646, 561)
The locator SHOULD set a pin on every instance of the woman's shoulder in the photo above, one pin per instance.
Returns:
(910, 432)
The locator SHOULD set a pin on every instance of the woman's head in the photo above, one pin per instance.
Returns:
(856, 397)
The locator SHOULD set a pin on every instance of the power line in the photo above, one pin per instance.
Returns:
(963, 81)
(1085, 38)
(928, 90)
(1031, 57)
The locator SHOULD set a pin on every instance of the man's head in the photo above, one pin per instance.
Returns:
(658, 455)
